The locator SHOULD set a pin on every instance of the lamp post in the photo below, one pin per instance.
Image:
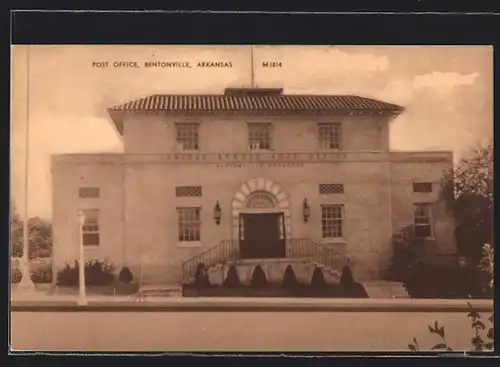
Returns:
(82, 298)
(306, 211)
(26, 283)
(217, 213)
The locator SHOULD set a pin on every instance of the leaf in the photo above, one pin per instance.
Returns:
(440, 332)
(490, 319)
(412, 347)
(489, 345)
(431, 329)
(440, 346)
(478, 325)
(490, 333)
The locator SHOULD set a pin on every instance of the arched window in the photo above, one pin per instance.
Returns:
(260, 200)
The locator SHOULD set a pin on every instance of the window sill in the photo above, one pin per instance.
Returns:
(333, 240)
(427, 239)
(189, 244)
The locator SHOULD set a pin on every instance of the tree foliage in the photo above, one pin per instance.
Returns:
(468, 191)
(39, 235)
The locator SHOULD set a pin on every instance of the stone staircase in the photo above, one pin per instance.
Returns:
(156, 280)
(385, 289)
(274, 269)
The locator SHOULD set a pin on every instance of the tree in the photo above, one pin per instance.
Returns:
(468, 191)
(39, 235)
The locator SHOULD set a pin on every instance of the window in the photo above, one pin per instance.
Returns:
(187, 136)
(259, 136)
(325, 189)
(422, 187)
(184, 191)
(329, 135)
(331, 221)
(422, 221)
(189, 224)
(90, 227)
(88, 192)
(260, 200)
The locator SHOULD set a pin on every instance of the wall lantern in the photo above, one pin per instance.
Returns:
(306, 210)
(217, 213)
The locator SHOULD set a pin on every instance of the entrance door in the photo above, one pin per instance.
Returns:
(262, 235)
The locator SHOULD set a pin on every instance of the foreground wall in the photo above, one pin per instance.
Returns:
(356, 330)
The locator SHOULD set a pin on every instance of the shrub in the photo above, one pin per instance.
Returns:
(125, 275)
(15, 275)
(318, 279)
(289, 279)
(232, 279)
(96, 273)
(259, 280)
(407, 251)
(42, 275)
(426, 280)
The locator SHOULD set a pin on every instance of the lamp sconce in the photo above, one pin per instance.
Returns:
(217, 213)
(306, 211)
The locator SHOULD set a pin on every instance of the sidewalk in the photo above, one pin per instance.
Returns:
(41, 300)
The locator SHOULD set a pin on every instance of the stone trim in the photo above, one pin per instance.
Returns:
(260, 184)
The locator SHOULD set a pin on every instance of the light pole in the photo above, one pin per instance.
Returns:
(82, 298)
(26, 283)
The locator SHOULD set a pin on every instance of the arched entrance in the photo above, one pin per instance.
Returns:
(261, 219)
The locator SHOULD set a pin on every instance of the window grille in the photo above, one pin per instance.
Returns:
(88, 192)
(422, 187)
(334, 188)
(183, 191)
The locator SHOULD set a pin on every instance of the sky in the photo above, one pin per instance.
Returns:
(447, 92)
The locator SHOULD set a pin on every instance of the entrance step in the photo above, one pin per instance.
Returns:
(160, 290)
(385, 289)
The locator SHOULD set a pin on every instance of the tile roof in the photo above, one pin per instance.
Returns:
(223, 103)
(253, 101)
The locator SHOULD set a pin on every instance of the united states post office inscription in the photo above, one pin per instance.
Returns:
(258, 165)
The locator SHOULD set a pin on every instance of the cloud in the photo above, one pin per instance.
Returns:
(443, 82)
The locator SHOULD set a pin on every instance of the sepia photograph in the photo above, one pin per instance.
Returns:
(251, 198)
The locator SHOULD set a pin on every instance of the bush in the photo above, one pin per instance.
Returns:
(42, 275)
(407, 251)
(96, 273)
(232, 279)
(15, 275)
(431, 281)
(125, 275)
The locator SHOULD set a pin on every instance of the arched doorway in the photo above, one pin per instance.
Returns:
(262, 217)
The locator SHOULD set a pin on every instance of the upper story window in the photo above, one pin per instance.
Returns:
(88, 192)
(259, 136)
(422, 187)
(329, 135)
(188, 136)
(90, 228)
(332, 220)
(422, 220)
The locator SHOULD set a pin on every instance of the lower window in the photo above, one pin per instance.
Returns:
(331, 221)
(90, 229)
(422, 223)
(189, 224)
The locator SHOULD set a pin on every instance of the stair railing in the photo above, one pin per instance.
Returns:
(227, 250)
(317, 252)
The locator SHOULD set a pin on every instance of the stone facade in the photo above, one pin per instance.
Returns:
(138, 219)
